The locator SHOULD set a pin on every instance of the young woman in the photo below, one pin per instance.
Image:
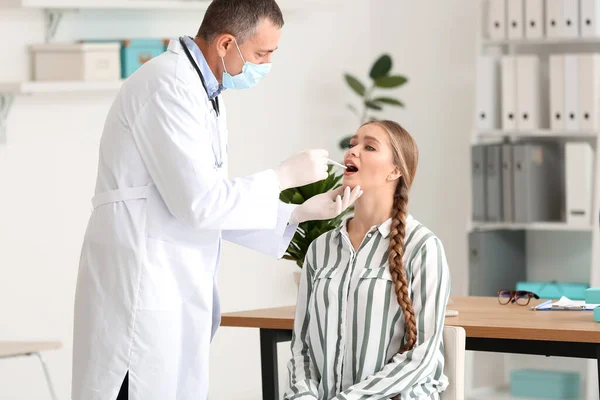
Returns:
(373, 293)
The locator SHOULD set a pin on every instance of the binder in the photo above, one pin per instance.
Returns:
(515, 18)
(509, 98)
(579, 159)
(570, 13)
(538, 171)
(497, 19)
(478, 182)
(488, 93)
(497, 260)
(528, 89)
(507, 184)
(534, 19)
(589, 90)
(589, 18)
(554, 18)
(571, 85)
(557, 92)
(493, 183)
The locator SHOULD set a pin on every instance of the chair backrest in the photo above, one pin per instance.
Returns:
(454, 362)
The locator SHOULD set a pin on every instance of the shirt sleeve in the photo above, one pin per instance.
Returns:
(430, 290)
(303, 376)
(272, 242)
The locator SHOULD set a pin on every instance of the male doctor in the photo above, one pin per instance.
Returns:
(146, 304)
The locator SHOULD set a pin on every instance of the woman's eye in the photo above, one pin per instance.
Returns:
(351, 145)
(370, 148)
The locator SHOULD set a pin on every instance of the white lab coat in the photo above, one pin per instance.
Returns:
(146, 299)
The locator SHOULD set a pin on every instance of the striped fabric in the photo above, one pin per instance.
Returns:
(349, 326)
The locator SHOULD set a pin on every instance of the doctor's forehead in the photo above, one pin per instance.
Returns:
(266, 36)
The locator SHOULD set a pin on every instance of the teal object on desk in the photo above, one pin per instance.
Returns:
(542, 384)
(554, 290)
(597, 314)
(592, 295)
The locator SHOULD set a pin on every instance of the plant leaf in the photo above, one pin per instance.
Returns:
(297, 198)
(389, 100)
(345, 143)
(390, 81)
(355, 84)
(372, 105)
(381, 67)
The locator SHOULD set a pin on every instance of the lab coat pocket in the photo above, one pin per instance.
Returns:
(173, 275)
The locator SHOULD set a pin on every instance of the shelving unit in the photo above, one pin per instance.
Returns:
(540, 134)
(536, 231)
(533, 226)
(53, 12)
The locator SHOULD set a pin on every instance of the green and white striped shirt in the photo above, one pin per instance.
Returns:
(349, 326)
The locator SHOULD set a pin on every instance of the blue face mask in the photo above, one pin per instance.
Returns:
(251, 74)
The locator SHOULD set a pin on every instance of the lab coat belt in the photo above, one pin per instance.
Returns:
(122, 194)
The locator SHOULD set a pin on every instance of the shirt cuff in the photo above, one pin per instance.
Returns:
(285, 229)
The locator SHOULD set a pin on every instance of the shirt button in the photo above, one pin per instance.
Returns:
(370, 234)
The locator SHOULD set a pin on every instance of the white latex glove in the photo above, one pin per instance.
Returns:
(326, 205)
(303, 168)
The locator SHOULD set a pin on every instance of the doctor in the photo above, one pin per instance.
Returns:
(146, 305)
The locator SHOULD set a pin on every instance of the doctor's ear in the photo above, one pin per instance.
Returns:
(223, 43)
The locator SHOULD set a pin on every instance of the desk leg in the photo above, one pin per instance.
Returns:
(598, 364)
(268, 359)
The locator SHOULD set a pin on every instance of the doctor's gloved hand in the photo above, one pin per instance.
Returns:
(326, 205)
(303, 168)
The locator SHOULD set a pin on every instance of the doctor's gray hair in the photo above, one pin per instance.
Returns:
(239, 18)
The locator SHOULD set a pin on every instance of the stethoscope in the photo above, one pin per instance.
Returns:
(214, 102)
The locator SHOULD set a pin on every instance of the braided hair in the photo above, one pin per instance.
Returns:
(406, 156)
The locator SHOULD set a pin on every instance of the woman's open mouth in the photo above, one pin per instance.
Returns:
(350, 169)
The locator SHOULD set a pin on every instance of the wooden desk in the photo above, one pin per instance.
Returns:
(489, 325)
(19, 349)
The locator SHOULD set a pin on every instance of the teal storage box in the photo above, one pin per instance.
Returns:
(592, 295)
(542, 384)
(136, 52)
(554, 290)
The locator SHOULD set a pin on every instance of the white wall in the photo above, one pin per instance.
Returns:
(47, 170)
(435, 47)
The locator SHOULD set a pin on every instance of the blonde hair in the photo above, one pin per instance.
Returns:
(406, 157)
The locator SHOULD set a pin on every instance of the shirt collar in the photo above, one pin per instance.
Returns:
(213, 86)
(384, 228)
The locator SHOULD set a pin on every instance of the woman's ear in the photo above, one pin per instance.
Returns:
(394, 175)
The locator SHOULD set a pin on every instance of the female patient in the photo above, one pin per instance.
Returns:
(373, 292)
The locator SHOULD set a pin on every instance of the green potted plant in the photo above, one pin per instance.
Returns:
(310, 230)
(381, 78)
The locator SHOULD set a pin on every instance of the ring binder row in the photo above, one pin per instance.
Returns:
(536, 19)
(521, 93)
(532, 182)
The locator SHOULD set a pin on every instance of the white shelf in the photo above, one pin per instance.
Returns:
(541, 42)
(22, 88)
(541, 133)
(500, 393)
(182, 5)
(533, 226)
(106, 4)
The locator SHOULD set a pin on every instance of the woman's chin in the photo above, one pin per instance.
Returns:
(350, 180)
